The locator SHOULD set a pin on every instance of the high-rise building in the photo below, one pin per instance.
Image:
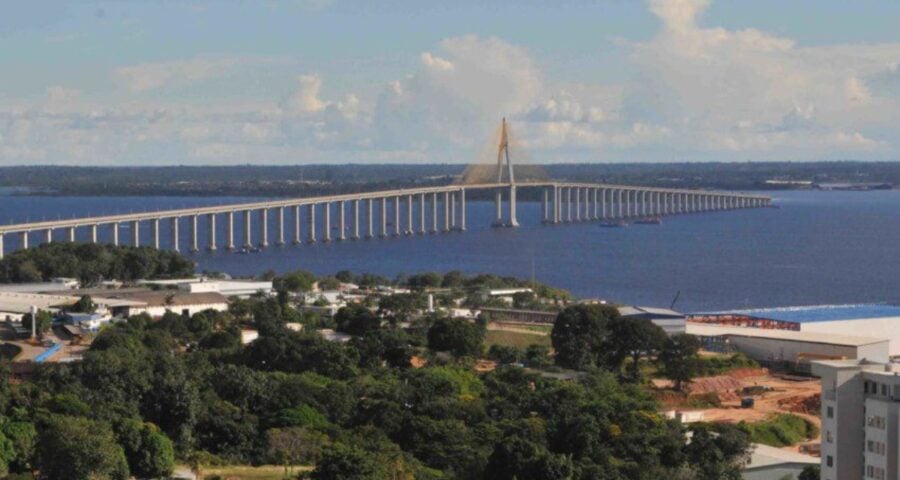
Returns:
(860, 412)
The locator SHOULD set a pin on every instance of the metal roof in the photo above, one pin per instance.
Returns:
(712, 330)
(819, 313)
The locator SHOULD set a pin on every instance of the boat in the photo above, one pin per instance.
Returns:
(614, 224)
(648, 221)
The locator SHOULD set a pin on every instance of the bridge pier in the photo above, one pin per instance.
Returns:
(175, 245)
(248, 232)
(434, 212)
(544, 207)
(154, 232)
(342, 227)
(115, 234)
(298, 235)
(410, 228)
(462, 209)
(370, 204)
(355, 220)
(211, 221)
(452, 211)
(577, 204)
(498, 209)
(279, 231)
(557, 207)
(384, 232)
(24, 240)
(397, 216)
(326, 211)
(1, 246)
(136, 233)
(513, 220)
(422, 228)
(446, 211)
(195, 247)
(312, 222)
(71, 234)
(229, 231)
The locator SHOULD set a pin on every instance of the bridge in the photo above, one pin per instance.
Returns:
(414, 211)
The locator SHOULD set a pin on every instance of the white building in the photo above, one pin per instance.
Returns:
(157, 303)
(670, 321)
(227, 287)
(770, 463)
(789, 346)
(14, 305)
(880, 320)
(860, 411)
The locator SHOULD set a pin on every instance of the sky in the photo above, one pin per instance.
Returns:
(161, 82)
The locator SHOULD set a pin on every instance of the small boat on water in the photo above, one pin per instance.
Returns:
(246, 250)
(648, 221)
(614, 224)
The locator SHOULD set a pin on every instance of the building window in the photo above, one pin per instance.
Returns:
(829, 412)
(884, 389)
(875, 421)
(829, 461)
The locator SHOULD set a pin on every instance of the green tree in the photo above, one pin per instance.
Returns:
(292, 446)
(719, 455)
(678, 359)
(79, 449)
(810, 472)
(632, 338)
(298, 281)
(329, 283)
(150, 454)
(44, 322)
(456, 335)
(23, 436)
(579, 335)
(515, 458)
(342, 462)
(356, 319)
(85, 304)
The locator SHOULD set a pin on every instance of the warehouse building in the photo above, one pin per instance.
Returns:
(772, 346)
(670, 321)
(881, 320)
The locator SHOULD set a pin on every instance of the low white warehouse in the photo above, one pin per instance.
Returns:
(772, 345)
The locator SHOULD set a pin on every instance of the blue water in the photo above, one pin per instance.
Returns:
(819, 247)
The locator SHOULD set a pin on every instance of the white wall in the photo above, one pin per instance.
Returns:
(878, 327)
(157, 312)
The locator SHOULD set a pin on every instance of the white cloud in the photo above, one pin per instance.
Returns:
(150, 76)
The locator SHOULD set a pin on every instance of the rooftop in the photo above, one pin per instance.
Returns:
(709, 330)
(766, 456)
(16, 302)
(819, 313)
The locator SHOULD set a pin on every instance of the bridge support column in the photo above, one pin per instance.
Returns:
(596, 195)
(175, 241)
(195, 241)
(326, 210)
(115, 234)
(513, 221)
(1, 246)
(556, 203)
(397, 216)
(498, 209)
(212, 232)
(248, 232)
(577, 204)
(71, 234)
(24, 242)
(280, 227)
(410, 228)
(154, 232)
(422, 227)
(384, 232)
(587, 204)
(544, 207)
(568, 204)
(446, 211)
(229, 231)
(298, 236)
(342, 233)
(93, 233)
(452, 211)
(355, 219)
(434, 212)
(462, 209)
(263, 227)
(312, 222)
(136, 233)
(370, 205)
(48, 236)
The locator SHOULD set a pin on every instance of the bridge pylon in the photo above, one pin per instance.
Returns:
(503, 155)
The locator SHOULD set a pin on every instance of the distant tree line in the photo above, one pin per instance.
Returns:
(91, 263)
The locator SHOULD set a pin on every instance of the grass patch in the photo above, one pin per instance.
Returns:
(781, 430)
(514, 339)
(246, 472)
